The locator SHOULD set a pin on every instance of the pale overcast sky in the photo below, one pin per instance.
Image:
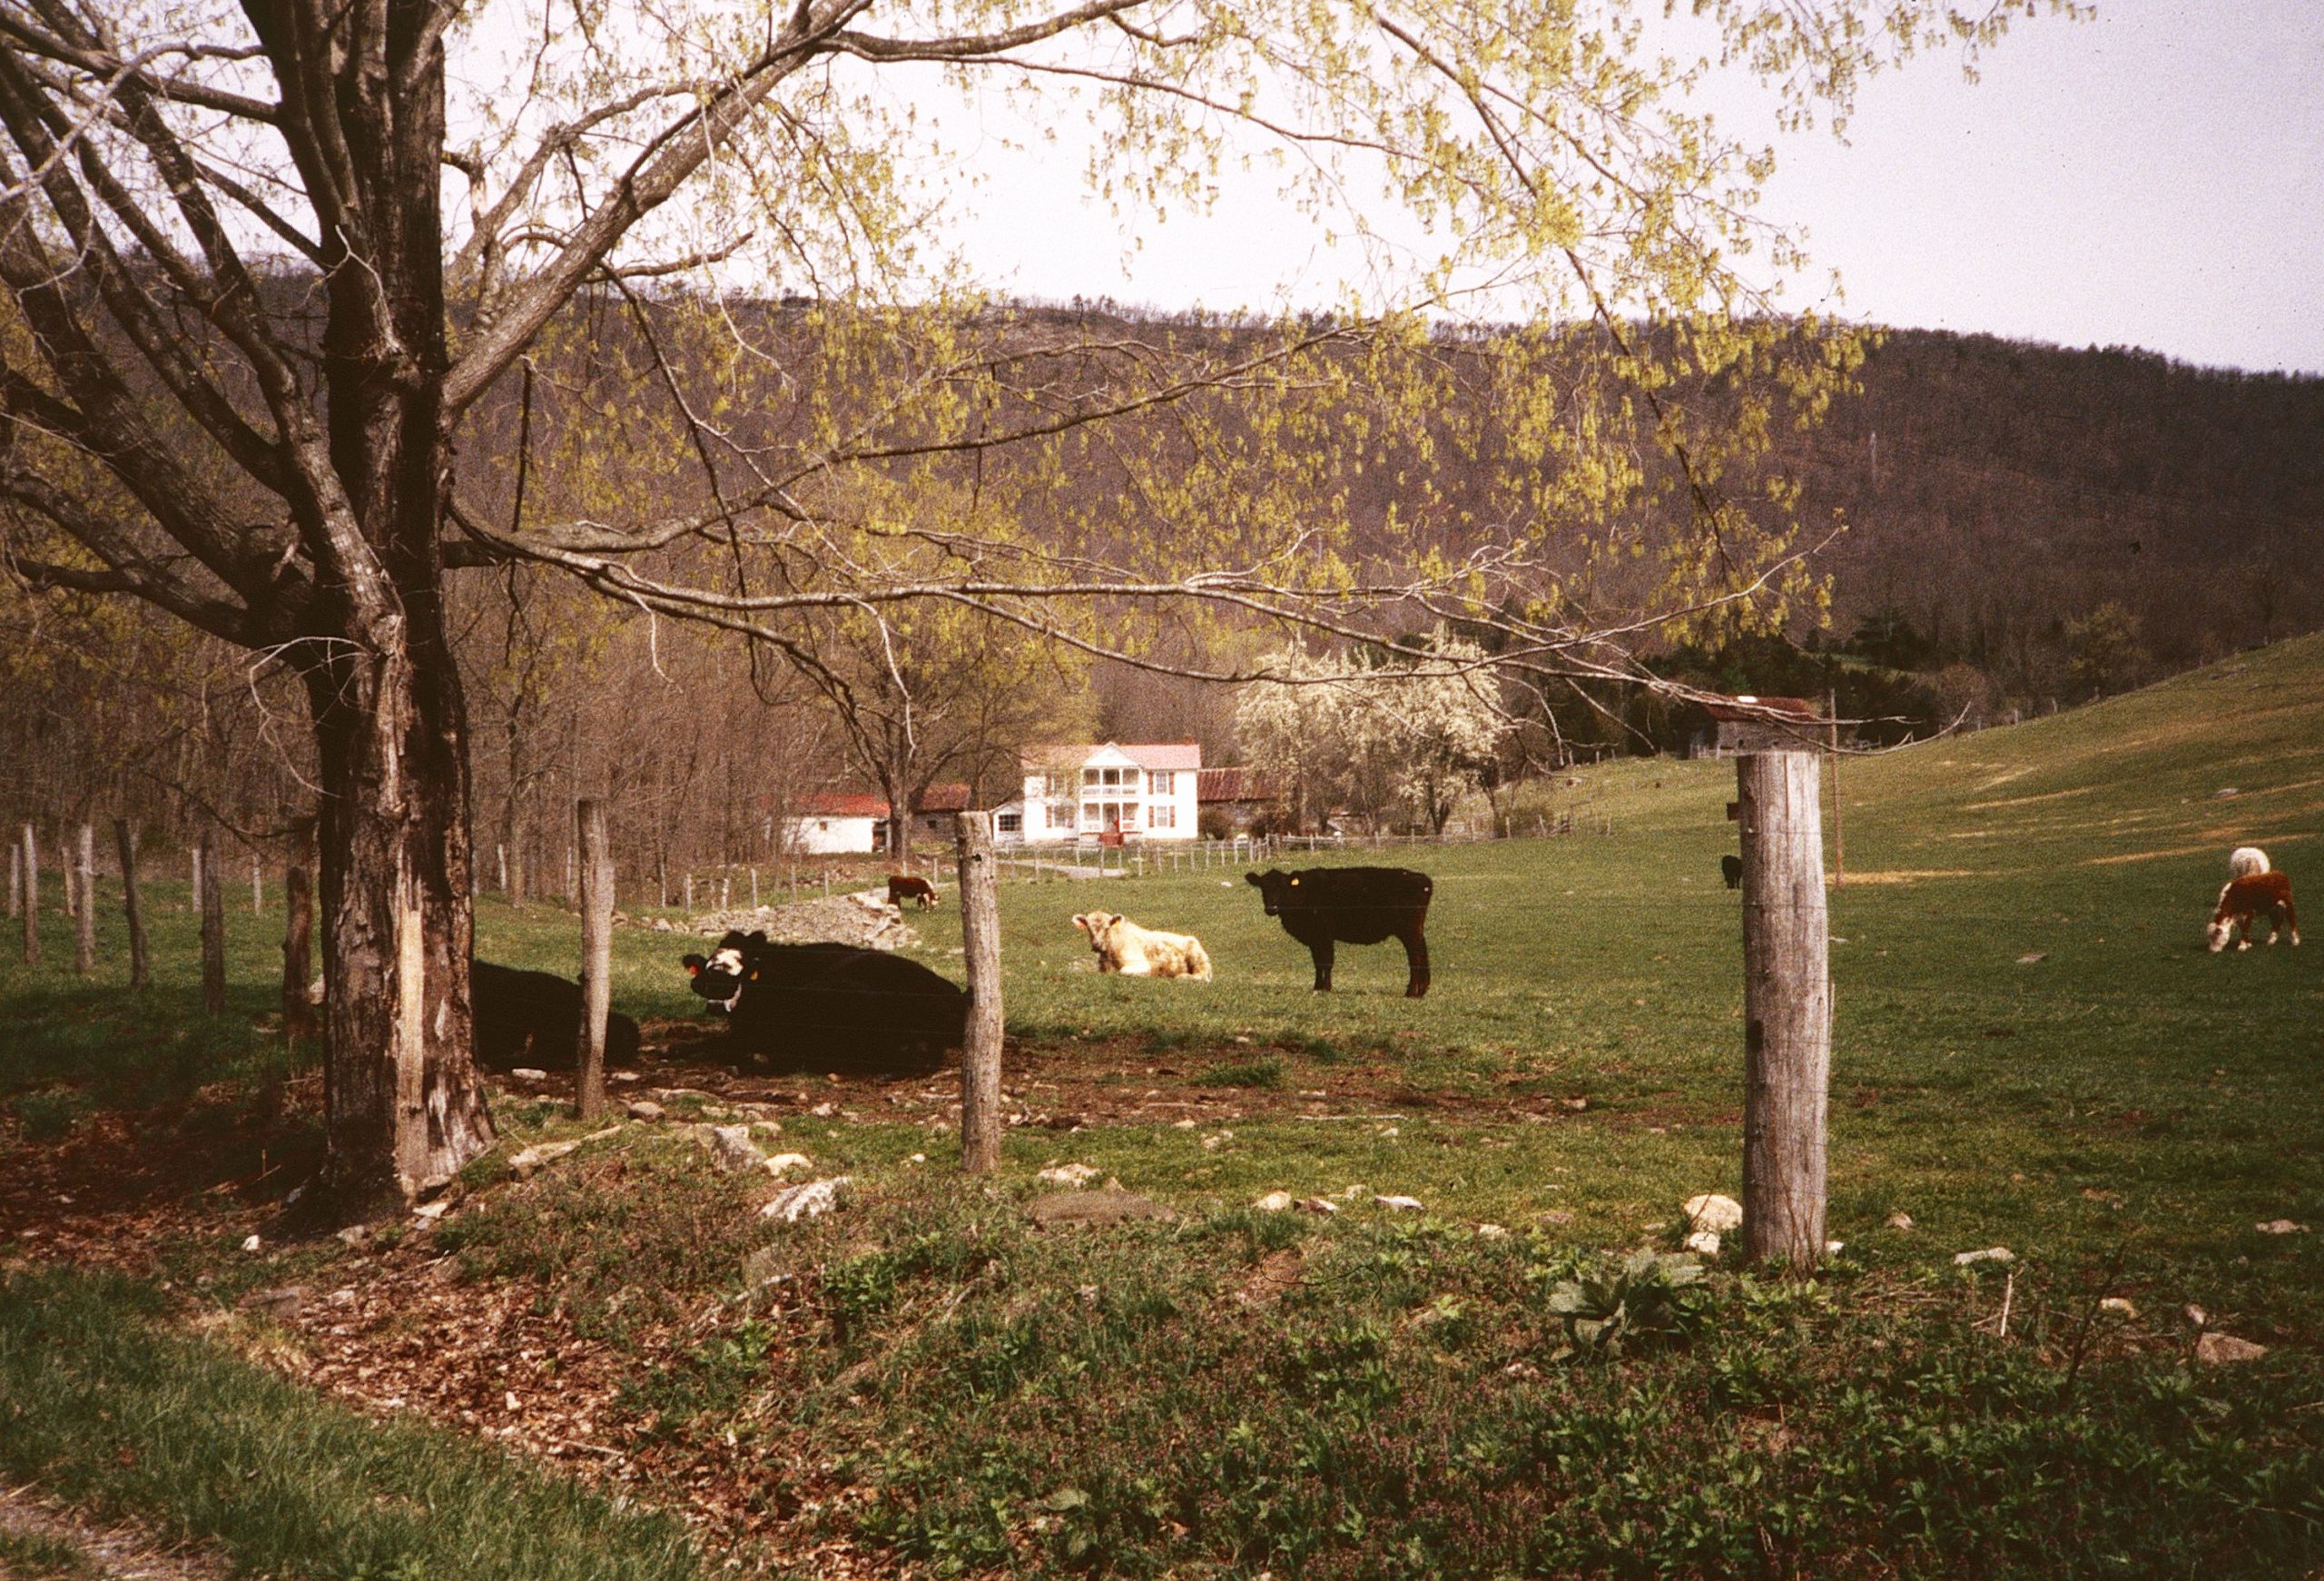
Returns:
(2152, 178)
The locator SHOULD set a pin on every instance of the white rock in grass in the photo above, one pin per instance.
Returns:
(1274, 1203)
(2033, 957)
(527, 1074)
(253, 1244)
(2280, 1227)
(731, 1147)
(1399, 1204)
(810, 1200)
(1990, 1254)
(1492, 1233)
(1703, 1242)
(1323, 1205)
(1714, 1213)
(1072, 1176)
(1900, 1220)
(2119, 1304)
(788, 1163)
(2216, 1349)
(1834, 1247)
(2194, 1314)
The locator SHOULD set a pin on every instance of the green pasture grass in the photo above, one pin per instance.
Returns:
(2121, 1112)
(103, 1403)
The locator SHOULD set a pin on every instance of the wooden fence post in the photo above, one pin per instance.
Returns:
(124, 839)
(596, 958)
(257, 885)
(1786, 1009)
(213, 929)
(31, 849)
(64, 872)
(84, 937)
(980, 946)
(300, 1023)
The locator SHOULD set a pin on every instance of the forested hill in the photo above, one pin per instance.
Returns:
(1998, 490)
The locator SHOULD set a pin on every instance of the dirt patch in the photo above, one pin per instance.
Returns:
(112, 1552)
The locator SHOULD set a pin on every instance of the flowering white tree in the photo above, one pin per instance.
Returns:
(1412, 735)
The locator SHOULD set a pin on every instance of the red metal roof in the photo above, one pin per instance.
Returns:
(950, 797)
(1148, 755)
(1234, 785)
(843, 805)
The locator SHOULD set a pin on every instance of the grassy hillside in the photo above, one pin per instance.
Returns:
(927, 1381)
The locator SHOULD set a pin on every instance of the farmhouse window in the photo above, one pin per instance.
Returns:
(1162, 784)
(1011, 823)
(1161, 817)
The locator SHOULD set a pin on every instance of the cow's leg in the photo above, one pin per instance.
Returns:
(1416, 956)
(1322, 950)
(2287, 922)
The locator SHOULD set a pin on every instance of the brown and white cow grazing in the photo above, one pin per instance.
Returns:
(2244, 901)
(1134, 952)
(903, 886)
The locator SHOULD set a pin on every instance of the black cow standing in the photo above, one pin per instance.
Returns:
(1730, 869)
(1322, 906)
(534, 1018)
(828, 1006)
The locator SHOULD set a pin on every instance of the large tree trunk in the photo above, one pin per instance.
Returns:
(403, 1106)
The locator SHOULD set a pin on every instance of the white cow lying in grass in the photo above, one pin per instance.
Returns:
(1134, 952)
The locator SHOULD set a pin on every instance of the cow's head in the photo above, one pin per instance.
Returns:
(719, 976)
(2216, 935)
(1098, 925)
(1277, 889)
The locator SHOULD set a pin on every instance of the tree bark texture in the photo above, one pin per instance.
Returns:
(403, 1107)
(85, 933)
(124, 839)
(1786, 1009)
(212, 902)
(300, 1023)
(30, 849)
(981, 944)
(596, 958)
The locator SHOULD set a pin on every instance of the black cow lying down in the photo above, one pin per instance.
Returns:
(533, 1018)
(830, 1007)
(1320, 906)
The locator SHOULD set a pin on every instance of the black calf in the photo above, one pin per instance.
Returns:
(1357, 905)
(533, 1018)
(1730, 869)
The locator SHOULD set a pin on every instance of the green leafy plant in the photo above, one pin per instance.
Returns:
(1652, 1297)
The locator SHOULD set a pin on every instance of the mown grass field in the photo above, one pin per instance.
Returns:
(927, 1381)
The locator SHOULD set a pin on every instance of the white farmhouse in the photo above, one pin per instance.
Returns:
(1128, 793)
